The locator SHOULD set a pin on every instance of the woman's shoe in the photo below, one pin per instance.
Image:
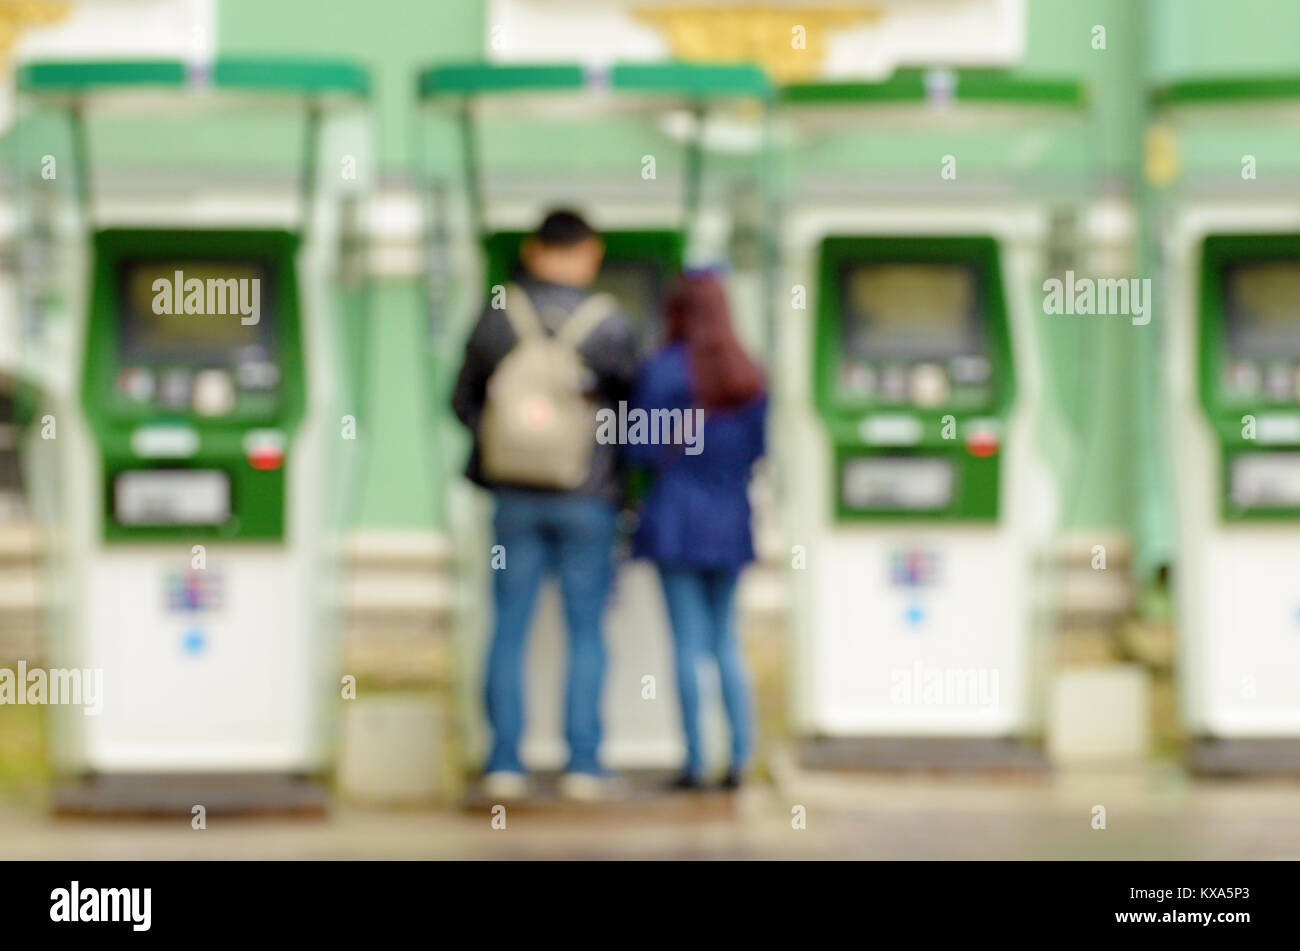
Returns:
(686, 782)
(732, 780)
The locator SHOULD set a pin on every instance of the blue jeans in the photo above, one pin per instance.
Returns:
(574, 537)
(701, 608)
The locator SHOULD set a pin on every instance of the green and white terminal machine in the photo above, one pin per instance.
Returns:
(185, 452)
(917, 494)
(1231, 253)
(634, 165)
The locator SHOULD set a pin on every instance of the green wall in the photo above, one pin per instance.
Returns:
(393, 39)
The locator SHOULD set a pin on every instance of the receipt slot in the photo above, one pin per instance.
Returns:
(187, 463)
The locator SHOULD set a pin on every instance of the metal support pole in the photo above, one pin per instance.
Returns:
(470, 167)
(81, 158)
(769, 219)
(694, 172)
(309, 178)
(1154, 521)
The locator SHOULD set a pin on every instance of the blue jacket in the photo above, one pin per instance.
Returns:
(697, 511)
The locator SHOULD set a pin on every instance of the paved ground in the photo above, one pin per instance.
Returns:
(1153, 813)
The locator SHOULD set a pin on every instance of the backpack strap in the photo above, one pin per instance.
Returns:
(521, 314)
(589, 315)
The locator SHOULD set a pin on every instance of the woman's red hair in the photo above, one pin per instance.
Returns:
(722, 374)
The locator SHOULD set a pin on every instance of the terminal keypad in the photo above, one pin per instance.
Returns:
(961, 381)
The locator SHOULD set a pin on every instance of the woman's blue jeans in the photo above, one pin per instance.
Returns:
(701, 607)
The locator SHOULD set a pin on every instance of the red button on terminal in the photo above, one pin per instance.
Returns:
(264, 448)
(982, 443)
(266, 457)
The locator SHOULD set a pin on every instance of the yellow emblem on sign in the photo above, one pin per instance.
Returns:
(1160, 160)
(16, 15)
(790, 42)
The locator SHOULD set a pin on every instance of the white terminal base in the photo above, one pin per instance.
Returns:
(391, 748)
(1099, 715)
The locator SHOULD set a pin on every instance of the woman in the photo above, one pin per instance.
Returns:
(695, 522)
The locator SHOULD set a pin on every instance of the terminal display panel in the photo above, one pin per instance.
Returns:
(197, 334)
(913, 333)
(638, 269)
(1261, 311)
(640, 285)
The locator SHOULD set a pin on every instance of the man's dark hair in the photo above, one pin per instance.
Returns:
(563, 229)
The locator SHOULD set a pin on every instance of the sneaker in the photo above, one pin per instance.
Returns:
(584, 787)
(505, 786)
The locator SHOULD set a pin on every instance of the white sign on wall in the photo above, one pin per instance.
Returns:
(793, 39)
(110, 29)
(126, 29)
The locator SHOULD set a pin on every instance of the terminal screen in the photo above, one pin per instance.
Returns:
(913, 333)
(910, 311)
(1263, 309)
(198, 334)
(206, 312)
(638, 286)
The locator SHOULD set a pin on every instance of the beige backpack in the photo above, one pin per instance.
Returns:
(538, 426)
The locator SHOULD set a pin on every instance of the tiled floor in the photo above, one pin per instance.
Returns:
(1152, 813)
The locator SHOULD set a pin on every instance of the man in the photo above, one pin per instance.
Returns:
(548, 522)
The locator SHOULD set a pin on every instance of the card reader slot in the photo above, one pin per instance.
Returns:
(167, 497)
(897, 483)
(1265, 480)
